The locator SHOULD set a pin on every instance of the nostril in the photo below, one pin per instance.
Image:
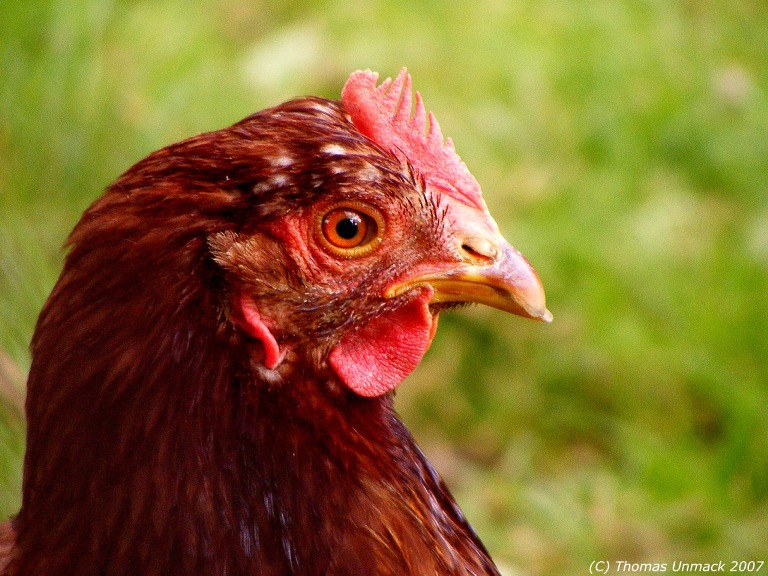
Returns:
(479, 248)
(469, 250)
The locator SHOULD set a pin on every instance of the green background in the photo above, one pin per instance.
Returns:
(622, 146)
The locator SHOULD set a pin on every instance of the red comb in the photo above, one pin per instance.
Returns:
(383, 114)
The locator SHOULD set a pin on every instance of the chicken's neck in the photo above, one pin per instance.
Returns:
(334, 484)
(180, 460)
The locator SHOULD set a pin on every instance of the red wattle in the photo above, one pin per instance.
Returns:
(377, 357)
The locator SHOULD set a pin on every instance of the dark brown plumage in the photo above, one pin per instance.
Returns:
(209, 392)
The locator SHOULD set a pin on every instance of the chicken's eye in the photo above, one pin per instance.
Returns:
(351, 230)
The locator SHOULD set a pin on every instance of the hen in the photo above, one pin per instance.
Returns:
(212, 376)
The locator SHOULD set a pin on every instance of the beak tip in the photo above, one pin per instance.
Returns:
(545, 316)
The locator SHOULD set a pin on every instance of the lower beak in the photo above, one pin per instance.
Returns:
(508, 283)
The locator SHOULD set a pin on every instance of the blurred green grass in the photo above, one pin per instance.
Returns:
(622, 146)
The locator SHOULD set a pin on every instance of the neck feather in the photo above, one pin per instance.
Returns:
(155, 448)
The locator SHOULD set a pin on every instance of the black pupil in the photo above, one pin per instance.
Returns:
(347, 227)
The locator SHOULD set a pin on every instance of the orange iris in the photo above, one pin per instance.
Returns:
(352, 230)
(345, 228)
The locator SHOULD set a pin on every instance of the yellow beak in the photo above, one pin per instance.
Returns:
(496, 275)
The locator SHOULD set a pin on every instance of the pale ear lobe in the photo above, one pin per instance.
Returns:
(254, 326)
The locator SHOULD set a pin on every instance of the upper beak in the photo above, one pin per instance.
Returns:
(492, 273)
